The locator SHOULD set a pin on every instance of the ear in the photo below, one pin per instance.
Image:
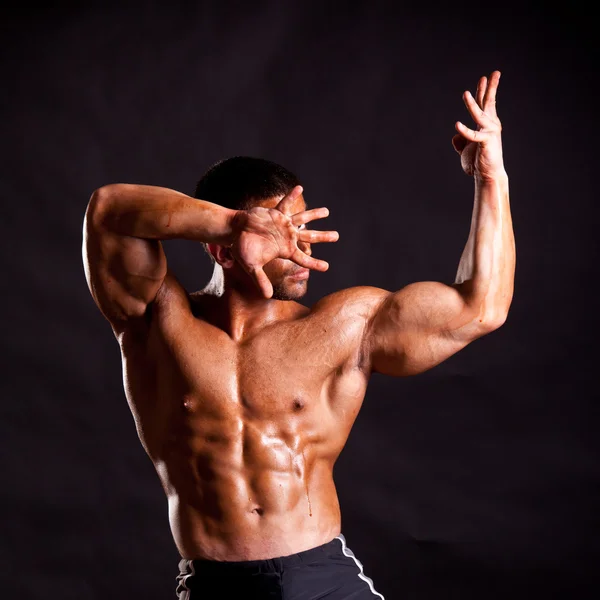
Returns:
(222, 255)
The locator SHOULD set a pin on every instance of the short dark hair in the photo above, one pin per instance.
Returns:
(240, 181)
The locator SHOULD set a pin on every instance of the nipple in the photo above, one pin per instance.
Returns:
(189, 403)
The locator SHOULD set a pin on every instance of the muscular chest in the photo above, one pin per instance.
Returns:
(285, 370)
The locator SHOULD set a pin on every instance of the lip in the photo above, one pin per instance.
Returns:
(300, 274)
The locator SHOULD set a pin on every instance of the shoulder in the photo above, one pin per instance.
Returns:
(358, 301)
(345, 317)
(351, 310)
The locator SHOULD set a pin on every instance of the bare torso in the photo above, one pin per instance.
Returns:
(244, 434)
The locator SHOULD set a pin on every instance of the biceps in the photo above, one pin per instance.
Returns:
(123, 273)
(411, 354)
(419, 327)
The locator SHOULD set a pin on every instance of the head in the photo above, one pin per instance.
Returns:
(240, 183)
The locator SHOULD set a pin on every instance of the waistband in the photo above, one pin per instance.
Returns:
(198, 566)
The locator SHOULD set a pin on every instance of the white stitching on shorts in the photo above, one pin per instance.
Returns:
(183, 578)
(349, 553)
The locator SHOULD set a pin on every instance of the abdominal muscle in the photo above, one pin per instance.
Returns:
(244, 436)
(242, 489)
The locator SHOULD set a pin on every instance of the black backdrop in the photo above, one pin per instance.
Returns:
(478, 479)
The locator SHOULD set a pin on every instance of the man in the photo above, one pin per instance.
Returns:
(243, 398)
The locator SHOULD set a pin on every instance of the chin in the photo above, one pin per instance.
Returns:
(286, 291)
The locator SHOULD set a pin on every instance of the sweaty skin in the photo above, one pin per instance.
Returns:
(244, 433)
(244, 402)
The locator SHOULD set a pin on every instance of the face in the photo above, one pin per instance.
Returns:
(282, 272)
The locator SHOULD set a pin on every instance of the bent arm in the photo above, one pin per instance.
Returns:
(425, 323)
(124, 261)
(486, 272)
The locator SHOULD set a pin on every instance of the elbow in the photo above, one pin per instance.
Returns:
(103, 195)
(496, 316)
(99, 203)
(488, 315)
(493, 314)
(95, 210)
(493, 320)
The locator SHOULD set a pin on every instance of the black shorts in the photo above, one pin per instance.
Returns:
(329, 571)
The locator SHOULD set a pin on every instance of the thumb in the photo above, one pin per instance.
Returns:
(262, 281)
(459, 142)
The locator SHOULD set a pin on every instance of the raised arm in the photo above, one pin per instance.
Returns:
(421, 325)
(124, 261)
(123, 258)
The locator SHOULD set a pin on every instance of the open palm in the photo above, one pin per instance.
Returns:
(263, 234)
(481, 149)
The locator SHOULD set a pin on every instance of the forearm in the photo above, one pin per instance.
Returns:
(152, 212)
(486, 270)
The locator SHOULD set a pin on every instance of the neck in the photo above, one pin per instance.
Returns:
(240, 309)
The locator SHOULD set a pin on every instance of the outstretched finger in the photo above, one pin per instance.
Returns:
(475, 110)
(489, 100)
(309, 215)
(262, 281)
(469, 134)
(481, 87)
(302, 259)
(312, 237)
(285, 204)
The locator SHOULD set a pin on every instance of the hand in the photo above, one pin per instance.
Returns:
(481, 150)
(263, 234)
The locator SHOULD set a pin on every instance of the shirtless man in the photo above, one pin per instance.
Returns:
(243, 398)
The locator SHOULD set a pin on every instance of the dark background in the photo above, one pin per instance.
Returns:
(478, 479)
